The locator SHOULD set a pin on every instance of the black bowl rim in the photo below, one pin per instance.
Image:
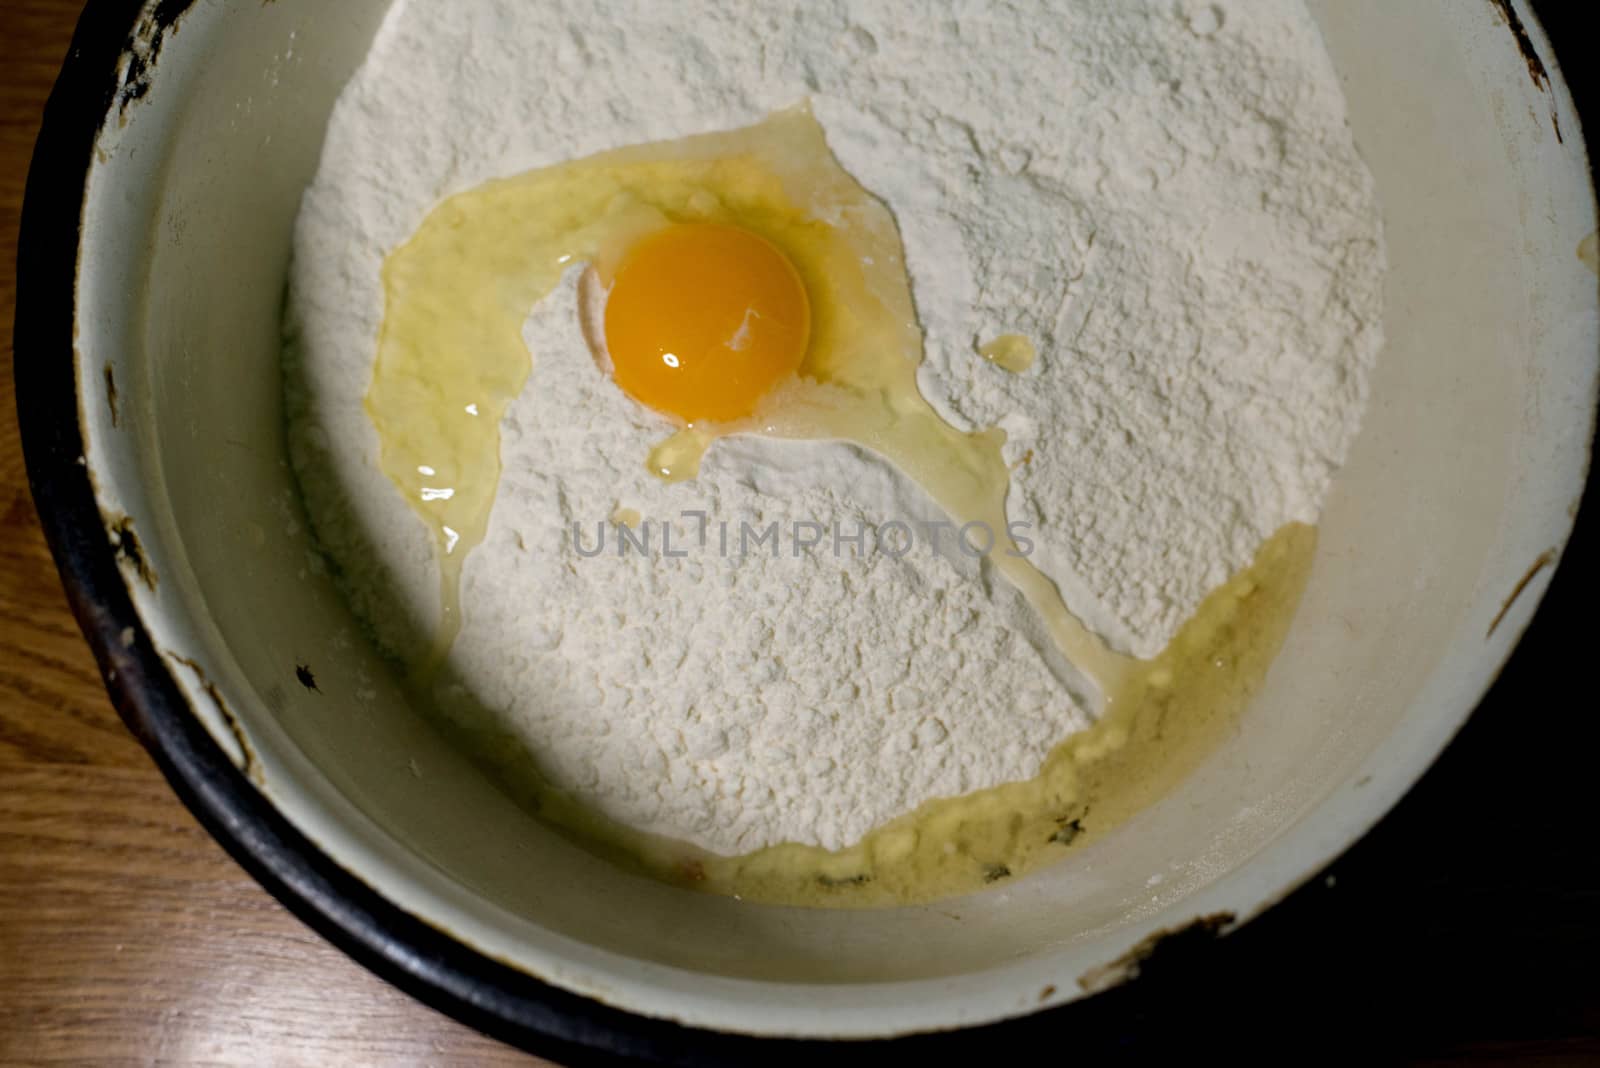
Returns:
(428, 964)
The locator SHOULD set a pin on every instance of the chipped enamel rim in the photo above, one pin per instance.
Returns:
(431, 964)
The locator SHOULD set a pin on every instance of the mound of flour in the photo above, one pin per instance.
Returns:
(1164, 196)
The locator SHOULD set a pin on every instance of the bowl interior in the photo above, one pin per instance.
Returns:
(1465, 477)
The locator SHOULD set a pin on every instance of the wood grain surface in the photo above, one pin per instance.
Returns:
(126, 934)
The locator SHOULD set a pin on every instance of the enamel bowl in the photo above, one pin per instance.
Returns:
(155, 241)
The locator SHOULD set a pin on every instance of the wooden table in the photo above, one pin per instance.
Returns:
(1463, 929)
(125, 932)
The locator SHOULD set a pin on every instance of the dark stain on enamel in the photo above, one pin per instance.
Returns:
(1530, 55)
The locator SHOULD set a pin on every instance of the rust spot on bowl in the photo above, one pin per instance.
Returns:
(251, 766)
(136, 68)
(111, 395)
(1542, 561)
(1530, 55)
(1589, 256)
(1164, 943)
(129, 552)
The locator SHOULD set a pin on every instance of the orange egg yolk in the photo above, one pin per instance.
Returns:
(702, 320)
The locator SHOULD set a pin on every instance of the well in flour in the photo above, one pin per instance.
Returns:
(1168, 205)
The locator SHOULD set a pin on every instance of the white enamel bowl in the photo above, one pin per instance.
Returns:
(185, 552)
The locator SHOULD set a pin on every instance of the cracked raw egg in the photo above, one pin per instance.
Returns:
(739, 283)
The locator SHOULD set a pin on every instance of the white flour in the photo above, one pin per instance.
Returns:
(1163, 196)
